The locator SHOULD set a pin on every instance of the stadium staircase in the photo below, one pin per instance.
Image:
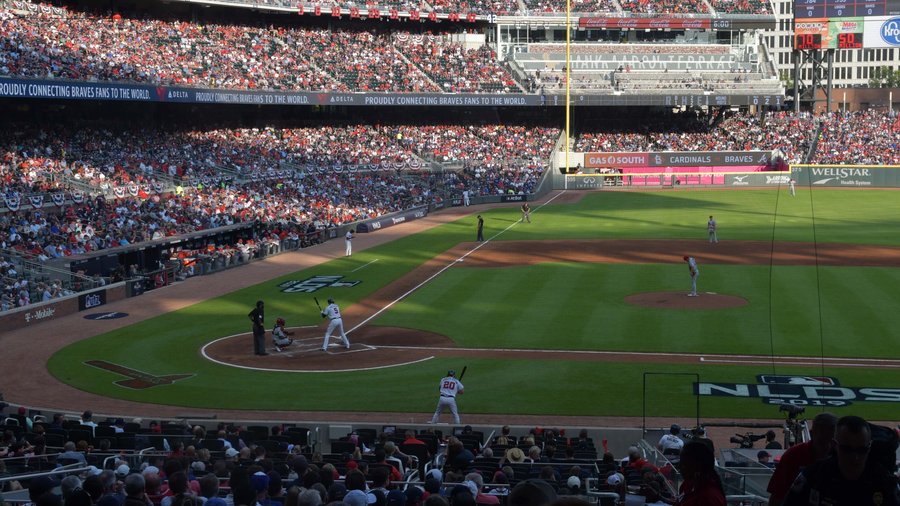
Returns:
(424, 74)
(813, 144)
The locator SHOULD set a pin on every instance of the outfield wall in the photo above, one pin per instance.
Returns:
(874, 176)
(881, 176)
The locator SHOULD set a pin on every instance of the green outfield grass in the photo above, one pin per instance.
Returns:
(560, 306)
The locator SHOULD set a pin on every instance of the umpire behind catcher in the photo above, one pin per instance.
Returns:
(257, 316)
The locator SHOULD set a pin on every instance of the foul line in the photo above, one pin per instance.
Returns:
(749, 359)
(778, 361)
(451, 264)
(362, 266)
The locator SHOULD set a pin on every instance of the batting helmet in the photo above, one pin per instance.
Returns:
(451, 372)
(330, 300)
(279, 322)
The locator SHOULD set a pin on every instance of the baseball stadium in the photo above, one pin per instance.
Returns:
(517, 252)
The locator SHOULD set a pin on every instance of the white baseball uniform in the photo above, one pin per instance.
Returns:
(711, 226)
(466, 197)
(671, 442)
(692, 265)
(793, 191)
(450, 387)
(333, 313)
(348, 240)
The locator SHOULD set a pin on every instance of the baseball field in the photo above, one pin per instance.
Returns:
(563, 316)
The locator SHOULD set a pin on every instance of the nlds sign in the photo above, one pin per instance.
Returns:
(799, 391)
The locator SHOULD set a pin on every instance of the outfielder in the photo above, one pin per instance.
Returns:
(692, 266)
(449, 387)
(333, 313)
(348, 241)
(711, 227)
(793, 190)
(280, 337)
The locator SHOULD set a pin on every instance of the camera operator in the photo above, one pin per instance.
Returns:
(801, 455)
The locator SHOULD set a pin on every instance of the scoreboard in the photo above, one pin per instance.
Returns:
(846, 24)
(831, 9)
(859, 32)
(828, 33)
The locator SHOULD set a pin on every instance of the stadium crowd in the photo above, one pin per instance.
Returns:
(191, 180)
(865, 137)
(84, 46)
(233, 464)
(691, 132)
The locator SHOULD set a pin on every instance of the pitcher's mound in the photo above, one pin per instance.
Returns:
(680, 300)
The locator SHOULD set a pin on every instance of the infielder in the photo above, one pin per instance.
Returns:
(280, 337)
(348, 241)
(449, 387)
(692, 266)
(526, 212)
(711, 228)
(333, 313)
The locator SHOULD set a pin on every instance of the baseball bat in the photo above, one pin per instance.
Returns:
(317, 304)
(463, 373)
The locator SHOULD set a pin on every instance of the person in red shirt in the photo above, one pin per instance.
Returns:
(411, 438)
(801, 455)
(702, 485)
(636, 462)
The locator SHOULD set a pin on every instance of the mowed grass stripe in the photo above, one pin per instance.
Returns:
(857, 321)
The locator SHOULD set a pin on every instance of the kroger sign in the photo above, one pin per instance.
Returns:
(890, 31)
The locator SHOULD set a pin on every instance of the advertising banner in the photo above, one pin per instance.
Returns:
(846, 175)
(91, 300)
(673, 23)
(513, 198)
(59, 89)
(882, 31)
(597, 160)
(677, 159)
(390, 221)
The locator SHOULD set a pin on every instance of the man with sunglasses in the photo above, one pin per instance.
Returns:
(848, 477)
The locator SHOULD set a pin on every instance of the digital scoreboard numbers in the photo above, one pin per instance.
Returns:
(824, 33)
(831, 9)
(851, 40)
(807, 41)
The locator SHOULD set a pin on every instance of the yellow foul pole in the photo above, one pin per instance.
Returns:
(568, 75)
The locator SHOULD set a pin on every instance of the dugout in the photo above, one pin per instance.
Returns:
(152, 255)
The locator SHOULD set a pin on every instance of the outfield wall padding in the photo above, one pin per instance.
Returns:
(860, 176)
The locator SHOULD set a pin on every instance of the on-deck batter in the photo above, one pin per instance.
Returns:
(449, 387)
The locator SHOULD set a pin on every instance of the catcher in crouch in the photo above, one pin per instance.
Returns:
(280, 336)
